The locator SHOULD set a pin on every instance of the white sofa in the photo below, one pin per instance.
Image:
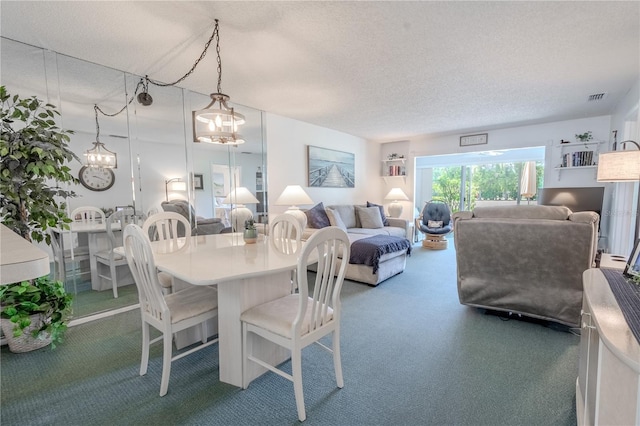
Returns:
(390, 264)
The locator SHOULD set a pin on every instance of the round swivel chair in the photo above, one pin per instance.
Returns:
(435, 223)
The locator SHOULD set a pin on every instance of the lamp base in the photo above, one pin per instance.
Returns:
(395, 209)
(299, 215)
(238, 216)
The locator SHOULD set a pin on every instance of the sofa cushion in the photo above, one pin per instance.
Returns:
(347, 213)
(369, 217)
(335, 219)
(385, 221)
(523, 212)
(317, 217)
(386, 230)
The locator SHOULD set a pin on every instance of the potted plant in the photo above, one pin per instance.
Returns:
(584, 137)
(34, 313)
(34, 154)
(250, 232)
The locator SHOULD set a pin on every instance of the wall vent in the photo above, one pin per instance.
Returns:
(596, 97)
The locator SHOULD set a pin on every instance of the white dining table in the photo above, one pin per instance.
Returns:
(246, 275)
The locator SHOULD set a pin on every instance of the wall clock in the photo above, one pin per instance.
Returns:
(96, 178)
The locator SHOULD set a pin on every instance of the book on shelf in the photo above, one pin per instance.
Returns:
(577, 159)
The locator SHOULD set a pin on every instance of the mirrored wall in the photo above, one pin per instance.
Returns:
(154, 144)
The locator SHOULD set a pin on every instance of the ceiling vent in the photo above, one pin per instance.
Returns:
(596, 97)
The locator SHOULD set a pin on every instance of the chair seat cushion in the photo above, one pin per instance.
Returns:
(105, 255)
(191, 302)
(278, 315)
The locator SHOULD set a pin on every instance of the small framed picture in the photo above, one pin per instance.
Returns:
(198, 183)
(479, 139)
(633, 265)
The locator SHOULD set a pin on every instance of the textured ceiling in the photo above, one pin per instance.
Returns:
(380, 70)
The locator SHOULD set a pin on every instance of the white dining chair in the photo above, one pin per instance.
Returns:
(108, 257)
(174, 230)
(285, 235)
(168, 314)
(297, 320)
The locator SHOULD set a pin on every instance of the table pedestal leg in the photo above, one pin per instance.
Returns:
(235, 297)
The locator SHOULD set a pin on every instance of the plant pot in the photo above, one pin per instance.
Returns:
(250, 236)
(26, 342)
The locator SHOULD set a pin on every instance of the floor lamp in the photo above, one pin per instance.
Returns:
(240, 213)
(622, 166)
(293, 196)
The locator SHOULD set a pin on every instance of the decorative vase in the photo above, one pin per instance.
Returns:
(26, 342)
(250, 236)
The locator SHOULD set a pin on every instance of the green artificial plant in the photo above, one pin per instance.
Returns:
(34, 152)
(42, 296)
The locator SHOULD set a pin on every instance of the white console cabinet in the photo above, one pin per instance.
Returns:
(608, 384)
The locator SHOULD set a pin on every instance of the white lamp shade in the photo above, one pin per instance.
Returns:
(396, 194)
(619, 166)
(178, 185)
(240, 195)
(293, 195)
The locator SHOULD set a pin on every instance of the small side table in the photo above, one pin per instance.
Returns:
(613, 261)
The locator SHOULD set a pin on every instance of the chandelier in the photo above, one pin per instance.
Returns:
(218, 123)
(100, 156)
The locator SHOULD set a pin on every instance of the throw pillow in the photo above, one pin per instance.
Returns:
(385, 221)
(434, 224)
(317, 217)
(369, 217)
(335, 219)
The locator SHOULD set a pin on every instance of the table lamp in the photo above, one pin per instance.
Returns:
(621, 166)
(175, 184)
(240, 213)
(294, 195)
(395, 208)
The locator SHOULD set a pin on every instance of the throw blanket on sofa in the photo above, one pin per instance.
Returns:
(367, 251)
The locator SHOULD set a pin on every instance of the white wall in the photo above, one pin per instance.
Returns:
(287, 142)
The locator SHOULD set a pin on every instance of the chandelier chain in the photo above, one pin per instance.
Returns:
(195, 64)
(144, 81)
(217, 33)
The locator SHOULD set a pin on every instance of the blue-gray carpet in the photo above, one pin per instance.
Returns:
(412, 355)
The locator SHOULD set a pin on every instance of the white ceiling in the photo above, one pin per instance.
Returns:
(379, 70)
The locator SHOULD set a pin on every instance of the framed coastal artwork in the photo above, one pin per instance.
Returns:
(329, 168)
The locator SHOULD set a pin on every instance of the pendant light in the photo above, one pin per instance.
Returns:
(100, 156)
(218, 123)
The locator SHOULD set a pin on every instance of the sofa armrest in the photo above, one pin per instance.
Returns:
(584, 217)
(401, 223)
(397, 222)
(461, 215)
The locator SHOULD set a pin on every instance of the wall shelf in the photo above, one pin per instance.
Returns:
(394, 169)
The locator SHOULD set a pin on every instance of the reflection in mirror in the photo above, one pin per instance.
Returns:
(154, 144)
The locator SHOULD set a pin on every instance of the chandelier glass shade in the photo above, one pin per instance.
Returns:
(218, 123)
(100, 156)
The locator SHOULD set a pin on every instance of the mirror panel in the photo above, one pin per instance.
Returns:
(153, 143)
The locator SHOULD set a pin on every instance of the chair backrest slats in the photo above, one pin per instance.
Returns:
(285, 234)
(164, 227)
(141, 262)
(122, 217)
(331, 247)
(88, 215)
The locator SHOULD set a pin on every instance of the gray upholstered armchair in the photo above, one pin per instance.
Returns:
(199, 225)
(525, 259)
(435, 223)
